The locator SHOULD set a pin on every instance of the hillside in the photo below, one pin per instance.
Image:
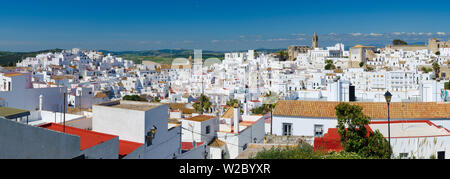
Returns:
(164, 56)
(11, 58)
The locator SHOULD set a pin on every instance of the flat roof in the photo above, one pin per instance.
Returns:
(88, 139)
(12, 74)
(131, 105)
(12, 113)
(126, 147)
(408, 129)
(200, 118)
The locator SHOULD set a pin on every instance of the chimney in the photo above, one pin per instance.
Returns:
(236, 115)
(41, 98)
(246, 108)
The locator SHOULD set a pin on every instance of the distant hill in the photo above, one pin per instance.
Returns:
(11, 58)
(163, 56)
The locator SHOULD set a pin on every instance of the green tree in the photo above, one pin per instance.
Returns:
(438, 53)
(303, 151)
(330, 67)
(447, 85)
(399, 42)
(231, 102)
(133, 98)
(283, 55)
(361, 64)
(204, 105)
(356, 138)
(436, 69)
(156, 100)
(426, 70)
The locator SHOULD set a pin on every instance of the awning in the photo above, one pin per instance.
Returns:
(12, 113)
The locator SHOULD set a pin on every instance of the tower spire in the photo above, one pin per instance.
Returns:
(315, 41)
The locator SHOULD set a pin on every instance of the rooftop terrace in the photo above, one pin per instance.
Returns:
(131, 105)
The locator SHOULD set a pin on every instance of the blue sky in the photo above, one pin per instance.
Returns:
(215, 24)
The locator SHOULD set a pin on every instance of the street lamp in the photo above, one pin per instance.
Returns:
(388, 97)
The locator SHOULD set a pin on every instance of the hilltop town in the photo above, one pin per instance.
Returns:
(87, 104)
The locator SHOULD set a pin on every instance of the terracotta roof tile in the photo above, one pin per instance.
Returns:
(201, 118)
(375, 110)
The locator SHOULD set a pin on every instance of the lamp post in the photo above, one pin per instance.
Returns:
(388, 97)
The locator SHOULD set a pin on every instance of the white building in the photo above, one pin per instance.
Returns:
(314, 118)
(140, 122)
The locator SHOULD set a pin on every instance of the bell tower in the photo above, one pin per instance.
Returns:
(315, 41)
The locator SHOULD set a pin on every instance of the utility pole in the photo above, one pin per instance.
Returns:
(64, 111)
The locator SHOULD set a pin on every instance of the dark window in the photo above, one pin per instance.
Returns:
(208, 129)
(287, 129)
(441, 155)
(403, 155)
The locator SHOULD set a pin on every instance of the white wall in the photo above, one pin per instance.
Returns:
(132, 125)
(127, 124)
(25, 98)
(106, 150)
(20, 141)
(236, 142)
(422, 147)
(165, 147)
(301, 126)
(194, 130)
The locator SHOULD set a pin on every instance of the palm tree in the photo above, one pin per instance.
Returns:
(203, 105)
(436, 69)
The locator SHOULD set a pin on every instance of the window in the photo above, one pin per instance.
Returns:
(208, 129)
(441, 155)
(403, 155)
(287, 129)
(318, 130)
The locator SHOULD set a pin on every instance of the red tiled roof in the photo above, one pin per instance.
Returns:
(189, 145)
(88, 139)
(126, 147)
(375, 110)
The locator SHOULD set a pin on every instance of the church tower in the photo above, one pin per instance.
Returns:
(315, 41)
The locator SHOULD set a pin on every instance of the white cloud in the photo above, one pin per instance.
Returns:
(279, 39)
(299, 34)
(356, 34)
(398, 33)
(441, 33)
(376, 35)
